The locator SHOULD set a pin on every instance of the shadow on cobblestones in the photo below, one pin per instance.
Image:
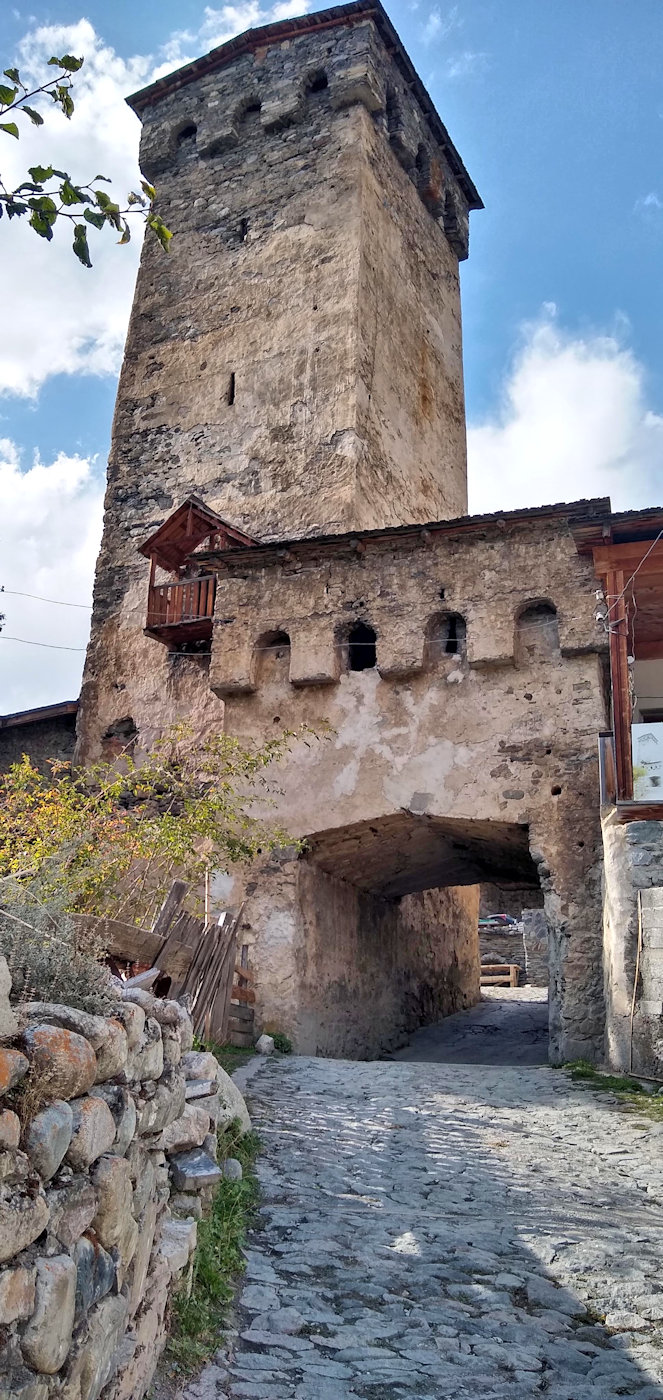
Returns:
(434, 1232)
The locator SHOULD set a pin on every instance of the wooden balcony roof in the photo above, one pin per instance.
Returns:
(192, 522)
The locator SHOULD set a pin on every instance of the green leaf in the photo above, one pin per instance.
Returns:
(126, 233)
(10, 127)
(12, 74)
(93, 218)
(41, 225)
(15, 207)
(80, 245)
(103, 199)
(41, 173)
(106, 178)
(133, 198)
(35, 117)
(149, 190)
(71, 64)
(158, 227)
(69, 194)
(43, 204)
(7, 95)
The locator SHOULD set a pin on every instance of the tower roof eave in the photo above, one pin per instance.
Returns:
(353, 13)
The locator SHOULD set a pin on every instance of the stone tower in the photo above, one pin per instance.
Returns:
(296, 359)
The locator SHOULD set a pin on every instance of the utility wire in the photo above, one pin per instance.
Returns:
(52, 646)
(12, 593)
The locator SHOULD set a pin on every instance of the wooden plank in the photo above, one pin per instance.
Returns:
(629, 557)
(169, 908)
(240, 1040)
(502, 981)
(245, 972)
(243, 994)
(621, 699)
(240, 1013)
(639, 812)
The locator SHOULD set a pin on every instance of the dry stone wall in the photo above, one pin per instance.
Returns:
(107, 1159)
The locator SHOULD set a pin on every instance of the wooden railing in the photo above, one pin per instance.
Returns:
(189, 600)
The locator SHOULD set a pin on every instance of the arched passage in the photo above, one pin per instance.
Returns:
(389, 924)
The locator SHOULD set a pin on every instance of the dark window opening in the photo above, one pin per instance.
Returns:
(318, 81)
(393, 112)
(445, 636)
(187, 136)
(422, 164)
(230, 396)
(362, 653)
(277, 643)
(124, 728)
(651, 716)
(251, 110)
(537, 634)
(243, 230)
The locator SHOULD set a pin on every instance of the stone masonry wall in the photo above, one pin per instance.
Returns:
(633, 871)
(107, 1155)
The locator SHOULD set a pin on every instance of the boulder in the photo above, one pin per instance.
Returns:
(17, 1295)
(22, 1219)
(93, 1131)
(123, 1109)
(141, 1260)
(13, 1066)
(232, 1169)
(265, 1045)
(193, 1170)
(95, 1273)
(232, 1103)
(200, 1088)
(64, 1061)
(200, 1064)
(177, 1243)
(210, 1145)
(185, 1027)
(165, 1106)
(143, 1175)
(48, 1137)
(189, 1130)
(10, 1129)
(184, 1203)
(133, 1019)
(97, 1350)
(22, 1384)
(113, 1054)
(73, 1206)
(147, 1060)
(172, 1045)
(14, 1166)
(138, 996)
(47, 1338)
(8, 1022)
(50, 1013)
(114, 1222)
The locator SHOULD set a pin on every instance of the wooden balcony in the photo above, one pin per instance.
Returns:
(181, 612)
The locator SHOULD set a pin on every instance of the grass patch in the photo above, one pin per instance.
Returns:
(230, 1057)
(200, 1306)
(629, 1091)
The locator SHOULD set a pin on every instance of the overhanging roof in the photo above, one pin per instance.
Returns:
(185, 529)
(355, 13)
(43, 712)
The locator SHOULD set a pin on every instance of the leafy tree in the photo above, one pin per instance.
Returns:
(109, 839)
(50, 196)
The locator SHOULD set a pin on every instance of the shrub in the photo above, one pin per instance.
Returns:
(51, 958)
(281, 1042)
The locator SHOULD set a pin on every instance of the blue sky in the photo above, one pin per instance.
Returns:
(557, 111)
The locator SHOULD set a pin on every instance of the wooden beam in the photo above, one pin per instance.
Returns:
(629, 557)
(621, 698)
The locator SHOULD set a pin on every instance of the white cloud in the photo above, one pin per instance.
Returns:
(466, 64)
(217, 26)
(49, 539)
(63, 317)
(574, 422)
(437, 26)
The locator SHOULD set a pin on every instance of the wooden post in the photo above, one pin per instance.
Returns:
(621, 694)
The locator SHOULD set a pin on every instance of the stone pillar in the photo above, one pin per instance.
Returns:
(536, 943)
(633, 873)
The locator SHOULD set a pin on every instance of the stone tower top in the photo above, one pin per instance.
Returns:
(296, 361)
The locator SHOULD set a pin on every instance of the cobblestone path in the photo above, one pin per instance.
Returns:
(432, 1231)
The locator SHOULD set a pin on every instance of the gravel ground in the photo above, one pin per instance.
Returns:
(435, 1230)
